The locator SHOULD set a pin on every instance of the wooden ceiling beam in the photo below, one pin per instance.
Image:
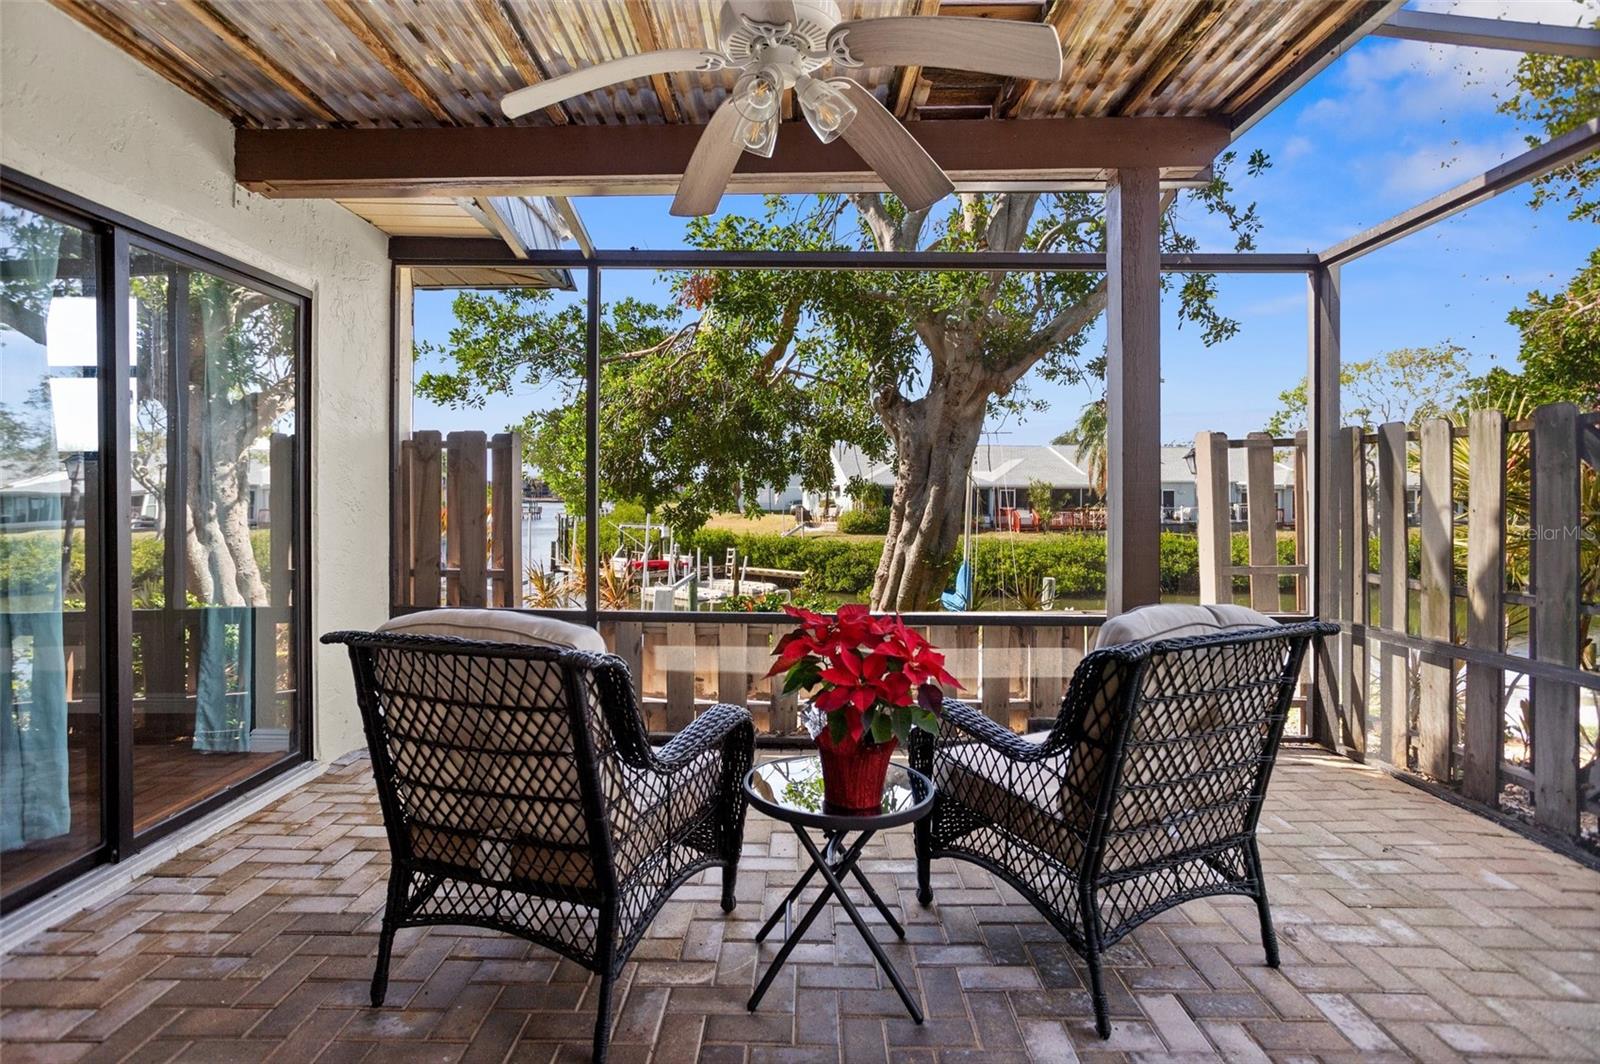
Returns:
(240, 44)
(644, 28)
(638, 159)
(904, 90)
(1195, 25)
(508, 35)
(381, 50)
(1015, 92)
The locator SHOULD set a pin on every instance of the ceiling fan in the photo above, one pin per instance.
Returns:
(778, 45)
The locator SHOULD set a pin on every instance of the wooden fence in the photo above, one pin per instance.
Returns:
(1460, 652)
(1014, 667)
(1214, 520)
(451, 545)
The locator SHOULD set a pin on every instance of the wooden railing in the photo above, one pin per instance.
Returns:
(1422, 676)
(1014, 667)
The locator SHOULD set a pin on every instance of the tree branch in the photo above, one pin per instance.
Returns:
(786, 330)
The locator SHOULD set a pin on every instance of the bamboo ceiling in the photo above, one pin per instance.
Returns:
(408, 63)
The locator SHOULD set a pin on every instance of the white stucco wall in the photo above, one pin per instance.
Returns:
(80, 114)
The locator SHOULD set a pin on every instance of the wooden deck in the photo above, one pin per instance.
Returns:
(1410, 928)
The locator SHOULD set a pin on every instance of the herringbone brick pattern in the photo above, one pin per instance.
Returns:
(1409, 929)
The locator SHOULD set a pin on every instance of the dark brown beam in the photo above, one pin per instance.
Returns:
(600, 160)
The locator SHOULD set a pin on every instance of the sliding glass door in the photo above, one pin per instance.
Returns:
(152, 649)
(211, 476)
(51, 726)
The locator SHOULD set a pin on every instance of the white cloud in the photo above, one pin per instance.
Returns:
(1549, 12)
(1391, 82)
(1434, 167)
(1296, 147)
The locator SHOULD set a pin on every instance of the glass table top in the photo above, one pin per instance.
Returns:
(791, 789)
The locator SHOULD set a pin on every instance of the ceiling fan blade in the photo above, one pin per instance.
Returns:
(715, 155)
(986, 45)
(886, 146)
(668, 61)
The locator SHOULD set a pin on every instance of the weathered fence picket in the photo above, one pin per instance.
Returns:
(1436, 679)
(452, 544)
(1486, 583)
(1392, 587)
(1555, 534)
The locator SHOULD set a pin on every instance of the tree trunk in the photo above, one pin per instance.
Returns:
(934, 439)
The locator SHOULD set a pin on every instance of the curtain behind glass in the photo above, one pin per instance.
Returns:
(35, 801)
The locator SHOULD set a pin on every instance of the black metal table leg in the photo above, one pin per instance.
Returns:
(837, 888)
(792, 790)
(812, 913)
(866, 885)
(789, 899)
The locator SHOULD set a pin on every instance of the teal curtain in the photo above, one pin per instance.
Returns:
(227, 643)
(34, 801)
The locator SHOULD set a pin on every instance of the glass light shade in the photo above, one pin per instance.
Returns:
(826, 107)
(757, 96)
(759, 137)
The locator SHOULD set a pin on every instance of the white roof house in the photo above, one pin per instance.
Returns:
(1010, 465)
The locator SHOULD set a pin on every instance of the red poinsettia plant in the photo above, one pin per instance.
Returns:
(874, 678)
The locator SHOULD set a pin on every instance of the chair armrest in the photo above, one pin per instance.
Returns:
(708, 731)
(959, 716)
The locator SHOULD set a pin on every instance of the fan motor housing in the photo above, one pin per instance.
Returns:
(747, 28)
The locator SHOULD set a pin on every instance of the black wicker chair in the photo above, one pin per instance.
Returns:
(520, 793)
(1144, 794)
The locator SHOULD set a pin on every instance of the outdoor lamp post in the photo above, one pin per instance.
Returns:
(1189, 460)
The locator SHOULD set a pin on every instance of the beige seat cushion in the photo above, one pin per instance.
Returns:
(1174, 621)
(1026, 800)
(498, 626)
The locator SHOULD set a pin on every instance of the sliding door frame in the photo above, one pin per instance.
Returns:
(116, 235)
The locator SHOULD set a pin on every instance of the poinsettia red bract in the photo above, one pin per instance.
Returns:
(874, 678)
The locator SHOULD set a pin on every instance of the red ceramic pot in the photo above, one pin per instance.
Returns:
(853, 774)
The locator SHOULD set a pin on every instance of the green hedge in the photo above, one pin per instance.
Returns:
(1077, 560)
(29, 566)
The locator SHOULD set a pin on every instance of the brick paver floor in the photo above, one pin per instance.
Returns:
(1409, 929)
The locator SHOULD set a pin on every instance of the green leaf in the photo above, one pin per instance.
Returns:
(836, 727)
(882, 727)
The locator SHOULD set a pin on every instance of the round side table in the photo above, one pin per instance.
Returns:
(790, 791)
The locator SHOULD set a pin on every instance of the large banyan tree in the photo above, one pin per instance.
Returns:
(751, 377)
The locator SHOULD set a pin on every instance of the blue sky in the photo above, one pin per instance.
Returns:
(1386, 126)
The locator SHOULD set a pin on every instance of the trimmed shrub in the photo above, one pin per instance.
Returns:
(870, 521)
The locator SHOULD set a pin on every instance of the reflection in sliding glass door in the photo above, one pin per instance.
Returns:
(50, 711)
(212, 468)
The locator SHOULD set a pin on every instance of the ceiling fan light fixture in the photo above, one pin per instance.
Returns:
(827, 109)
(758, 137)
(757, 95)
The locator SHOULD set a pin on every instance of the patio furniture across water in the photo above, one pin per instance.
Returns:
(520, 791)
